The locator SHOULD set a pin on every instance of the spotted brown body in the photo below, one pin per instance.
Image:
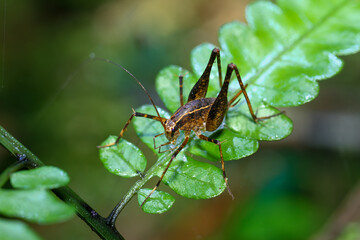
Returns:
(191, 116)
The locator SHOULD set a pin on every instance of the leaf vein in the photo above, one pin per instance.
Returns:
(297, 41)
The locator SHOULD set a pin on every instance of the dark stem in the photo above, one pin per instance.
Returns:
(27, 159)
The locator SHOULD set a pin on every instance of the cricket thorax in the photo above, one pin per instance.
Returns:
(192, 115)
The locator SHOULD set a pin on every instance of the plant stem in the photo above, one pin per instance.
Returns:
(111, 219)
(96, 222)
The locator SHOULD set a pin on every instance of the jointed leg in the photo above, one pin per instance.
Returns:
(230, 104)
(164, 144)
(219, 68)
(156, 118)
(135, 114)
(234, 68)
(181, 77)
(167, 167)
(156, 137)
(243, 90)
(217, 142)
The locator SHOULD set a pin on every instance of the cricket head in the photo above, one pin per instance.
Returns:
(171, 132)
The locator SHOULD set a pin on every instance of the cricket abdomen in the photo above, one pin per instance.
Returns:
(192, 115)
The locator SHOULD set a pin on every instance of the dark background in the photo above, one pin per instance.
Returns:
(61, 108)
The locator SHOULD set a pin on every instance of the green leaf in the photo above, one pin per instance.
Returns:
(36, 205)
(16, 230)
(42, 177)
(233, 146)
(123, 159)
(146, 128)
(193, 179)
(285, 48)
(158, 202)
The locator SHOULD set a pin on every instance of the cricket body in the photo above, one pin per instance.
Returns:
(199, 114)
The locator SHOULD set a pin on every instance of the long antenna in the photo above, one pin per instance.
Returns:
(147, 93)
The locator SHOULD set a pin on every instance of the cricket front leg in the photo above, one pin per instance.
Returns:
(135, 114)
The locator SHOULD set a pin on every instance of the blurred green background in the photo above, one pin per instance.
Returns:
(61, 108)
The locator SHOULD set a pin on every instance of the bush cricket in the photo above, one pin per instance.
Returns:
(198, 114)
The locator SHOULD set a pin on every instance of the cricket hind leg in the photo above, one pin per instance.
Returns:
(231, 102)
(200, 88)
(135, 114)
(256, 119)
(220, 105)
(173, 156)
(181, 78)
(217, 142)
